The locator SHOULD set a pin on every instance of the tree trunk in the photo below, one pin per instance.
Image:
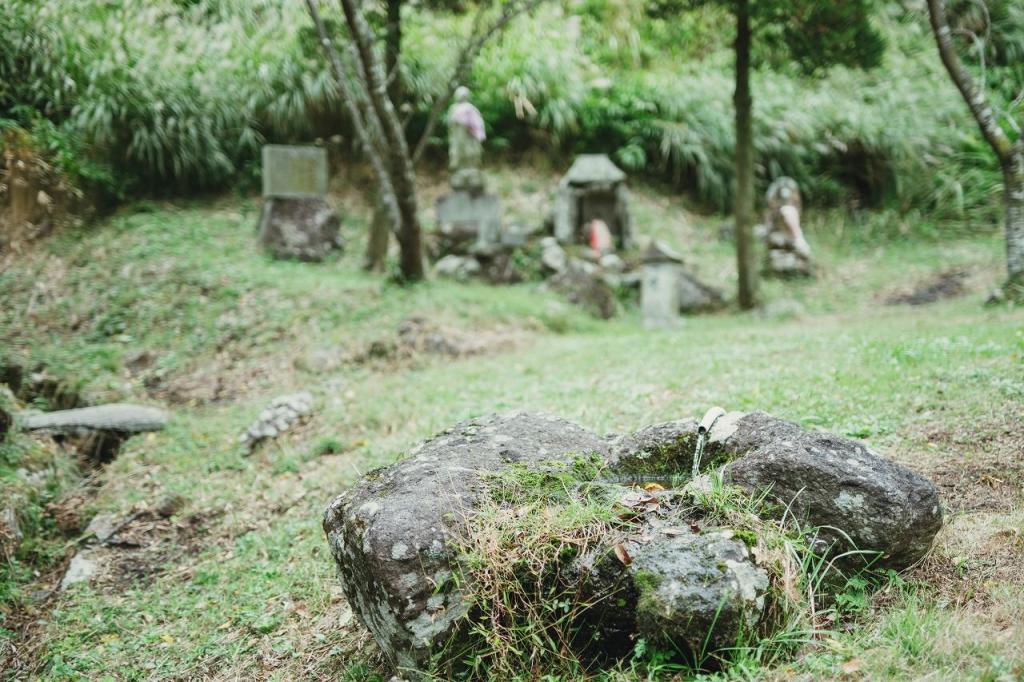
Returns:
(410, 260)
(393, 51)
(379, 236)
(400, 163)
(1013, 176)
(744, 199)
(367, 129)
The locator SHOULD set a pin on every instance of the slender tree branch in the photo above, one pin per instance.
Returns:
(464, 62)
(374, 77)
(365, 136)
(399, 161)
(973, 96)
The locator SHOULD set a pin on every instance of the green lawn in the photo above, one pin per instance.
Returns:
(240, 585)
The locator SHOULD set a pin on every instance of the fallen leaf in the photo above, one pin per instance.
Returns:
(167, 639)
(653, 487)
(851, 666)
(622, 555)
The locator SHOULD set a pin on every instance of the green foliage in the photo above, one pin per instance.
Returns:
(818, 34)
(175, 96)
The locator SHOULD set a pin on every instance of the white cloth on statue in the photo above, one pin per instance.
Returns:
(791, 214)
(465, 114)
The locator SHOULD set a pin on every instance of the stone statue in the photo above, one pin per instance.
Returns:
(465, 143)
(788, 250)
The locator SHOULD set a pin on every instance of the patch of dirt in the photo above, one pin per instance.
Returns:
(948, 284)
(978, 466)
(148, 545)
(416, 337)
(975, 556)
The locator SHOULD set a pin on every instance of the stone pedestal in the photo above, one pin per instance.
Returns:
(784, 259)
(469, 221)
(300, 229)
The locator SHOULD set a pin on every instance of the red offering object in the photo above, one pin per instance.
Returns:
(599, 236)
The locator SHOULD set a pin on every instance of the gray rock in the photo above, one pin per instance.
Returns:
(304, 229)
(783, 262)
(654, 453)
(583, 285)
(699, 591)
(122, 418)
(170, 504)
(81, 569)
(461, 268)
(552, 256)
(782, 309)
(612, 262)
(695, 296)
(390, 533)
(103, 526)
(321, 360)
(681, 591)
(857, 498)
(468, 219)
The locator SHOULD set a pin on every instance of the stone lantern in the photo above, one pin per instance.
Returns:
(659, 285)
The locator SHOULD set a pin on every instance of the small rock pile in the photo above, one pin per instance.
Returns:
(281, 414)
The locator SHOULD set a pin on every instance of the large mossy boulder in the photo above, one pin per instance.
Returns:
(396, 535)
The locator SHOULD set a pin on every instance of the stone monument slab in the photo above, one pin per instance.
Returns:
(294, 172)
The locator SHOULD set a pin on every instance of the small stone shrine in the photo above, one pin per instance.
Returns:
(297, 222)
(469, 219)
(788, 253)
(592, 199)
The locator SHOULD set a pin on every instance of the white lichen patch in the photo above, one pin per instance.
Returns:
(400, 551)
(851, 502)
